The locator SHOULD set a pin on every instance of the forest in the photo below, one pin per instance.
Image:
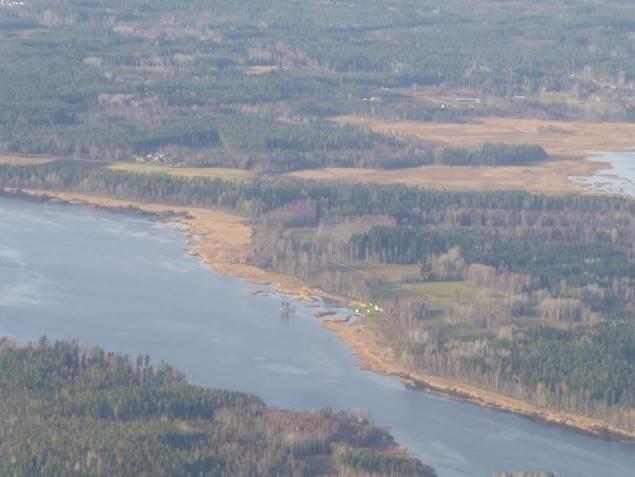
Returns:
(528, 295)
(68, 409)
(251, 85)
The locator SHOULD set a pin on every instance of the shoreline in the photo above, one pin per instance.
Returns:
(378, 358)
(222, 241)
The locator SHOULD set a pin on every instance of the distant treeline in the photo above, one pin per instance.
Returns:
(411, 206)
(260, 143)
(111, 81)
(66, 93)
(549, 254)
(493, 155)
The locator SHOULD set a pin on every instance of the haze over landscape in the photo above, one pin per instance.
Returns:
(381, 238)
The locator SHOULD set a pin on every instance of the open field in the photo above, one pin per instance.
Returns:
(386, 272)
(398, 281)
(559, 138)
(436, 294)
(206, 172)
(545, 177)
(569, 144)
(24, 160)
(260, 70)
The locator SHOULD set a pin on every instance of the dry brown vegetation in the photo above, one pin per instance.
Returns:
(559, 138)
(221, 239)
(546, 177)
(567, 142)
(260, 70)
(24, 160)
(206, 172)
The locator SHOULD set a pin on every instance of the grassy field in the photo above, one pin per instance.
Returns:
(559, 138)
(384, 271)
(440, 295)
(24, 160)
(259, 70)
(398, 281)
(569, 144)
(550, 177)
(206, 172)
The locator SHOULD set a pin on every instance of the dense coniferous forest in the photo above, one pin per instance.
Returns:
(72, 410)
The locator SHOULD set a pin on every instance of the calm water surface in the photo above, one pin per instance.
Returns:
(124, 283)
(618, 177)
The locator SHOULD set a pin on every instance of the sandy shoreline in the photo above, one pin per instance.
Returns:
(374, 356)
(223, 241)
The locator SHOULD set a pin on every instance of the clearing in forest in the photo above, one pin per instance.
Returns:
(558, 138)
(568, 143)
(24, 160)
(205, 172)
(441, 294)
(549, 177)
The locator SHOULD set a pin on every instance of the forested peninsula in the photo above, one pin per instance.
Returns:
(68, 409)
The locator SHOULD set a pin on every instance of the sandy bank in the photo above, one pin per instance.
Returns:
(219, 238)
(376, 357)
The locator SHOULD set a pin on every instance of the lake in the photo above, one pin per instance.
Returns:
(124, 282)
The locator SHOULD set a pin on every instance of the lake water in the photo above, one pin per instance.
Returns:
(617, 178)
(124, 283)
